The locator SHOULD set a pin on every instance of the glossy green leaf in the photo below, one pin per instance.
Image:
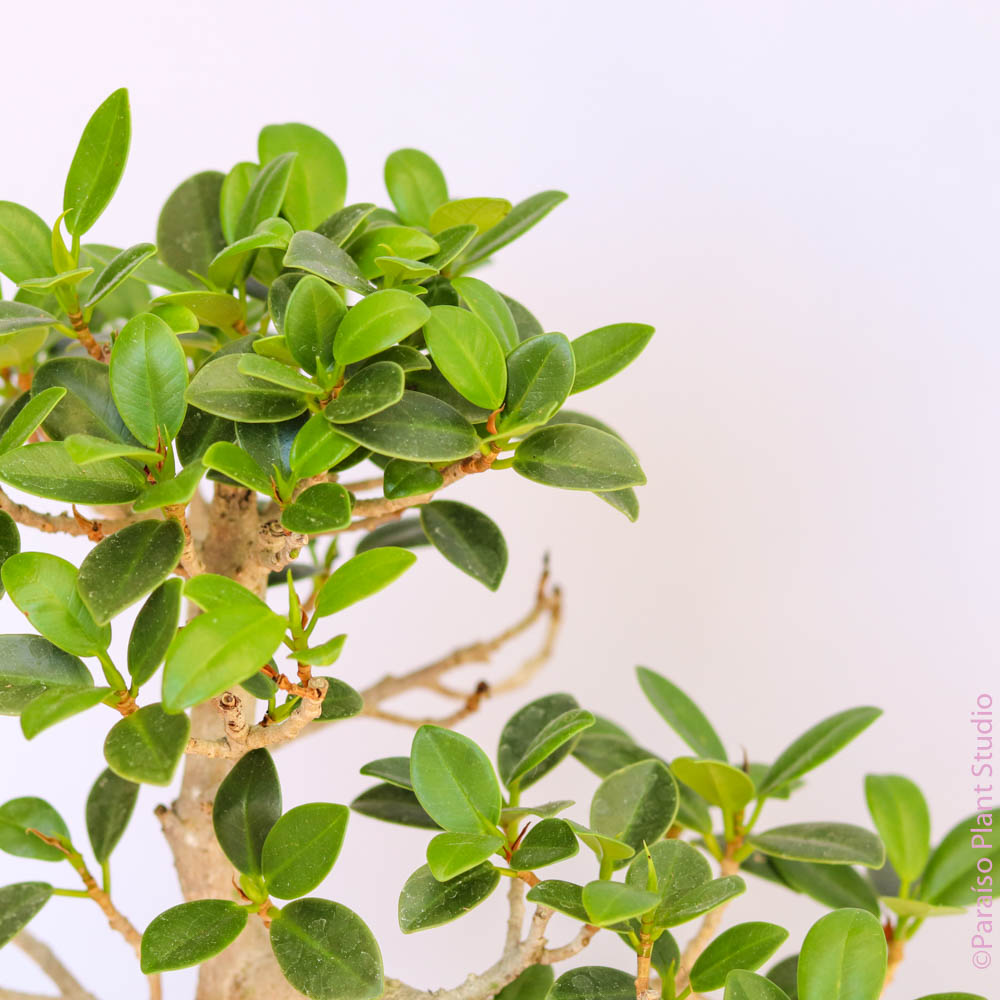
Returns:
(30, 417)
(604, 352)
(415, 185)
(593, 982)
(539, 377)
(266, 194)
(742, 985)
(454, 781)
(609, 903)
(467, 538)
(574, 457)
(221, 388)
(30, 666)
(410, 479)
(128, 565)
(451, 854)
(247, 806)
(189, 230)
(817, 745)
(212, 308)
(87, 407)
(468, 354)
(147, 745)
(318, 180)
(951, 872)
(25, 243)
(636, 805)
(395, 770)
(827, 843)
(10, 541)
(680, 869)
(66, 279)
(565, 897)
(522, 731)
(532, 984)
(43, 587)
(344, 224)
(119, 269)
(232, 195)
(425, 902)
(405, 532)
(98, 163)
(373, 389)
(234, 462)
(393, 804)
(603, 753)
(190, 933)
(717, 783)
(451, 242)
(554, 735)
(917, 908)
(489, 305)
(85, 450)
(419, 428)
(545, 843)
(316, 254)
(326, 951)
(18, 816)
(834, 886)
(318, 447)
(109, 808)
(681, 714)
(746, 946)
(361, 577)
(900, 814)
(483, 213)
(318, 508)
(785, 975)
(61, 703)
(843, 957)
(171, 492)
(390, 241)
(19, 903)
(517, 222)
(703, 899)
(312, 314)
(301, 848)
(376, 322)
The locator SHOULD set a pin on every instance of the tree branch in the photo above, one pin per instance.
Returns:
(66, 524)
(190, 556)
(43, 956)
(547, 604)
(708, 929)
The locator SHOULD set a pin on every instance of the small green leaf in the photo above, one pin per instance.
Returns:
(119, 269)
(25, 243)
(900, 814)
(266, 194)
(405, 532)
(489, 305)
(817, 745)
(98, 163)
(918, 909)
(30, 666)
(147, 745)
(128, 565)
(393, 804)
(547, 842)
(574, 457)
(318, 508)
(326, 951)
(361, 577)
(395, 770)
(717, 783)
(483, 213)
(451, 242)
(30, 417)
(189, 231)
(604, 352)
(301, 848)
(606, 849)
(390, 241)
(680, 869)
(467, 538)
(317, 447)
(593, 982)
(18, 905)
(85, 450)
(517, 222)
(211, 308)
(234, 462)
(373, 389)
(401, 269)
(952, 871)
(565, 897)
(247, 806)
(532, 984)
(376, 322)
(827, 843)
(539, 377)
(10, 541)
(55, 706)
(522, 731)
(425, 902)
(323, 655)
(190, 933)
(172, 492)
(409, 479)
(843, 957)
(415, 185)
(555, 734)
(454, 781)
(220, 387)
(109, 809)
(742, 985)
(18, 816)
(468, 354)
(513, 814)
(316, 254)
(835, 886)
(746, 946)
(609, 903)
(681, 714)
(277, 373)
(636, 805)
(312, 313)
(451, 854)
(66, 279)
(704, 899)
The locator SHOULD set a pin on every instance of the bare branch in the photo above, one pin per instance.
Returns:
(43, 956)
(190, 556)
(66, 524)
(547, 604)
(583, 938)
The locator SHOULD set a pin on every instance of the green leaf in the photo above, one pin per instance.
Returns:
(318, 508)
(918, 909)
(451, 242)
(547, 842)
(746, 946)
(25, 243)
(593, 982)
(43, 587)
(361, 577)
(29, 418)
(603, 753)
(344, 224)
(66, 279)
(512, 814)
(85, 450)
(410, 479)
(843, 957)
(681, 714)
(10, 541)
(171, 492)
(834, 886)
(18, 905)
(517, 222)
(393, 804)
(467, 354)
(55, 706)
(318, 447)
(539, 377)
(18, 318)
(233, 194)
(211, 308)
(401, 269)
(609, 903)
(30, 666)
(318, 181)
(717, 783)
(454, 781)
(827, 843)
(483, 213)
(326, 951)
(749, 986)
(785, 975)
(87, 407)
(565, 897)
(128, 565)
(604, 352)
(247, 806)
(341, 701)
(606, 849)
(817, 745)
(109, 809)
(467, 538)
(680, 869)
(373, 389)
(419, 428)
(376, 322)
(234, 462)
(555, 734)
(301, 848)
(316, 254)
(219, 648)
(119, 269)
(390, 241)
(426, 902)
(489, 305)
(532, 984)
(98, 163)
(405, 532)
(636, 805)
(704, 899)
(312, 314)
(190, 933)
(18, 816)
(451, 854)
(220, 387)
(952, 871)
(189, 231)
(266, 194)
(900, 814)
(574, 457)
(147, 745)
(395, 770)
(415, 185)
(523, 730)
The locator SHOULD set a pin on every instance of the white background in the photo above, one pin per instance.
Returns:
(802, 197)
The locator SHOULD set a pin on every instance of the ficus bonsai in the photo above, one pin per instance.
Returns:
(205, 398)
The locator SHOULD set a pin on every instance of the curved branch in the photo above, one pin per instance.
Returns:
(66, 524)
(46, 959)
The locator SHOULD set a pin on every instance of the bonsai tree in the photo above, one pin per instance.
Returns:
(205, 400)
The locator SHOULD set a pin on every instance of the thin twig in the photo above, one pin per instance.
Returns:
(706, 932)
(44, 957)
(190, 557)
(66, 524)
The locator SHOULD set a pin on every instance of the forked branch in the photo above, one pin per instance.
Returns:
(46, 959)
